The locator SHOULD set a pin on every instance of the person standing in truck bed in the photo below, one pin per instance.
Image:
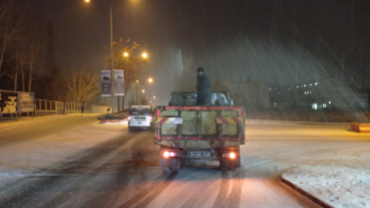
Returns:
(204, 91)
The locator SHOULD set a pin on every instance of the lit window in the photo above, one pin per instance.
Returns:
(324, 105)
(304, 85)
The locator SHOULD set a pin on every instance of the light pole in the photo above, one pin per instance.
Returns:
(111, 47)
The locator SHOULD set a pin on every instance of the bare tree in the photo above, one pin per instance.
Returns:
(130, 64)
(34, 47)
(82, 85)
(10, 26)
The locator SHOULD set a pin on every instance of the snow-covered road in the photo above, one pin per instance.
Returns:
(79, 163)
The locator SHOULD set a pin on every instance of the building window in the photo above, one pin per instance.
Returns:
(324, 105)
(304, 85)
(314, 106)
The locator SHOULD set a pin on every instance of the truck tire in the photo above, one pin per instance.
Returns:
(228, 164)
(224, 165)
(175, 164)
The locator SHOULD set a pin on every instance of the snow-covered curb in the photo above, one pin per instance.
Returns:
(10, 124)
(335, 185)
(115, 121)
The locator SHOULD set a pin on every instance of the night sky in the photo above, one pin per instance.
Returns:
(229, 38)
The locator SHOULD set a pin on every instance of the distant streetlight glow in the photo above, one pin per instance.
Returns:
(145, 55)
(143, 91)
(137, 81)
(87, 1)
(154, 97)
(125, 54)
(150, 80)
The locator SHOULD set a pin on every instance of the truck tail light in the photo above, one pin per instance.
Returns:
(232, 155)
(168, 154)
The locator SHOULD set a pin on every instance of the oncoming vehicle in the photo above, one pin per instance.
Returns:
(140, 117)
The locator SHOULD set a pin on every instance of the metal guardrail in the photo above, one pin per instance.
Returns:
(47, 107)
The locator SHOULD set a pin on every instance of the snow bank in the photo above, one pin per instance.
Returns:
(344, 182)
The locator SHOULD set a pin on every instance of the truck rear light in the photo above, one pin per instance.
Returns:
(232, 155)
(167, 154)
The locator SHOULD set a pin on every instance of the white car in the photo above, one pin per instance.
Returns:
(140, 117)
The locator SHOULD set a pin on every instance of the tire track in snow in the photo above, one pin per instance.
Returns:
(224, 189)
(27, 191)
(238, 181)
(150, 192)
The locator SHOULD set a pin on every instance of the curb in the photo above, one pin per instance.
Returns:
(114, 121)
(304, 193)
(361, 128)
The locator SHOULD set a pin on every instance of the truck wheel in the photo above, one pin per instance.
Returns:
(224, 165)
(238, 163)
(175, 164)
(228, 165)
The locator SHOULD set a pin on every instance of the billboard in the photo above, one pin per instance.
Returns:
(26, 102)
(119, 87)
(106, 83)
(8, 102)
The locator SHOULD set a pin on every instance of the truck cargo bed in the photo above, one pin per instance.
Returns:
(199, 127)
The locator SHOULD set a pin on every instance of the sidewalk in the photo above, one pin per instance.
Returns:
(28, 121)
(341, 181)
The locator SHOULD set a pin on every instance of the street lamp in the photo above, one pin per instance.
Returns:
(125, 54)
(150, 80)
(144, 55)
(142, 91)
(111, 47)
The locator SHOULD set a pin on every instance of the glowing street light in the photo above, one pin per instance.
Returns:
(154, 97)
(137, 81)
(125, 54)
(150, 80)
(144, 55)
(143, 91)
(87, 1)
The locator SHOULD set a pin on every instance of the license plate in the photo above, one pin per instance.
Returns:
(199, 154)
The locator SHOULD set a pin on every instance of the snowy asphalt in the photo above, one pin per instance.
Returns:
(123, 171)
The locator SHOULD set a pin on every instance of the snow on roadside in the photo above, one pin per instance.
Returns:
(29, 121)
(342, 181)
(24, 158)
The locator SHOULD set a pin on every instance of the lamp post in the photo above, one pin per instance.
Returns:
(111, 47)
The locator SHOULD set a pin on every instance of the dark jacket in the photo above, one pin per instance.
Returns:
(204, 91)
